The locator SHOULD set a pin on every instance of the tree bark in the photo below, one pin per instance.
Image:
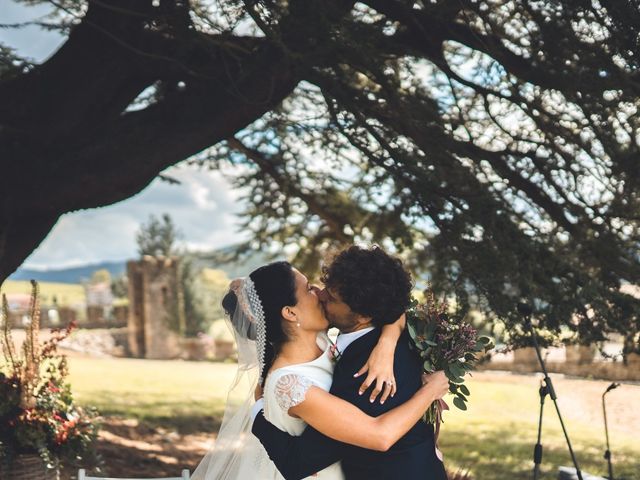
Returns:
(68, 143)
(68, 139)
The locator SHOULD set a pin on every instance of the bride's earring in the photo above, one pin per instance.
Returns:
(298, 323)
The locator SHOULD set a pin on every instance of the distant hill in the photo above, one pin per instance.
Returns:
(220, 259)
(69, 275)
(223, 259)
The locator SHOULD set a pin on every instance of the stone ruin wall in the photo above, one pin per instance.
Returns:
(153, 284)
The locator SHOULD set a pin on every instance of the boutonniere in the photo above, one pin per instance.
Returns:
(333, 350)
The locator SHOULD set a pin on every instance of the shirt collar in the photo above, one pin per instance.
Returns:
(345, 339)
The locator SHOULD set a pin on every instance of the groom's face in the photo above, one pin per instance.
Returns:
(337, 311)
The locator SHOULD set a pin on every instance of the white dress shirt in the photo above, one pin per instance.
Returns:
(345, 339)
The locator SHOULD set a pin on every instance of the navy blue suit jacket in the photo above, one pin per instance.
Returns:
(412, 457)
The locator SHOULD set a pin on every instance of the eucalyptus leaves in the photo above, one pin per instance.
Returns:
(445, 342)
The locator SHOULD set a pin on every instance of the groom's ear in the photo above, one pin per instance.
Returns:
(362, 320)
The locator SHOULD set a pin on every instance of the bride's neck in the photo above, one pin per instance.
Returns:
(302, 348)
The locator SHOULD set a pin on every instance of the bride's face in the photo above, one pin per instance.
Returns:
(308, 309)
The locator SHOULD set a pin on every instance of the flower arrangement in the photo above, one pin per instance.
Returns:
(444, 342)
(37, 412)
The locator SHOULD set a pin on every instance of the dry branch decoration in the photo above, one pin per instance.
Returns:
(37, 411)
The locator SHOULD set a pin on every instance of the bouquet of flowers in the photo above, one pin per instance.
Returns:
(444, 342)
(37, 412)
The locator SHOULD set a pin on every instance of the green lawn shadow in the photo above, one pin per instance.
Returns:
(506, 452)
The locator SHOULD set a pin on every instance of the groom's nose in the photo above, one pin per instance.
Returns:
(322, 293)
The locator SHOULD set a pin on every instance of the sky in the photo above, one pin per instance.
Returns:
(204, 207)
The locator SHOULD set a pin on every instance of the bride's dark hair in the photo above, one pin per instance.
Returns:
(276, 286)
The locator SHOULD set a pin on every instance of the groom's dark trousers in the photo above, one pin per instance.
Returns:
(411, 458)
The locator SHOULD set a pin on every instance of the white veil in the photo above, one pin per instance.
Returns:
(237, 454)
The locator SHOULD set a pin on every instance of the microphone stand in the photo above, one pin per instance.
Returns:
(525, 311)
(537, 451)
(607, 453)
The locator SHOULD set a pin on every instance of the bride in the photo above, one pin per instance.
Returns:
(283, 349)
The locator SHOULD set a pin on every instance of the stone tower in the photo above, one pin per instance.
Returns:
(155, 303)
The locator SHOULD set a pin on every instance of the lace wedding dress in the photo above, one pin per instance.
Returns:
(286, 387)
(236, 453)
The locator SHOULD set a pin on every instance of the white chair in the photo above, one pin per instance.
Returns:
(569, 473)
(83, 476)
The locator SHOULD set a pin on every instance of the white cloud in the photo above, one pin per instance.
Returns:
(204, 207)
(202, 197)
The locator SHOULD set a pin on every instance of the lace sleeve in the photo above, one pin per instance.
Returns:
(290, 390)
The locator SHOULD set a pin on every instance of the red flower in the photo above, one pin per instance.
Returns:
(61, 437)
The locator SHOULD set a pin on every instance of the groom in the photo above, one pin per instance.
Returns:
(365, 289)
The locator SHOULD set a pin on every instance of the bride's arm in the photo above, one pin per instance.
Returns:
(343, 421)
(380, 362)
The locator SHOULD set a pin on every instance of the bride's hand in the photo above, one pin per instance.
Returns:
(438, 382)
(258, 392)
(380, 368)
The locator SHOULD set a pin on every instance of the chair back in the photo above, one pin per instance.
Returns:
(82, 475)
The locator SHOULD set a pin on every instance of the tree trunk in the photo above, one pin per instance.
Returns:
(68, 139)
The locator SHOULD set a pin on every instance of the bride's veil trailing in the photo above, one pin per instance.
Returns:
(237, 454)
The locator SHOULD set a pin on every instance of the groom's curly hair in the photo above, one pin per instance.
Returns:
(371, 282)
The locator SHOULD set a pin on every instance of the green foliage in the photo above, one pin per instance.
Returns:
(195, 320)
(158, 237)
(489, 143)
(203, 295)
(12, 64)
(445, 342)
(493, 144)
(120, 287)
(190, 312)
(202, 290)
(213, 285)
(101, 276)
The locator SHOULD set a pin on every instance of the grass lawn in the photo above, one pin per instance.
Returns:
(176, 394)
(66, 294)
(493, 440)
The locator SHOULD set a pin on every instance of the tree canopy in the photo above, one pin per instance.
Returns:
(493, 143)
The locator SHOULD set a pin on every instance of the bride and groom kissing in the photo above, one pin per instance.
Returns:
(306, 410)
